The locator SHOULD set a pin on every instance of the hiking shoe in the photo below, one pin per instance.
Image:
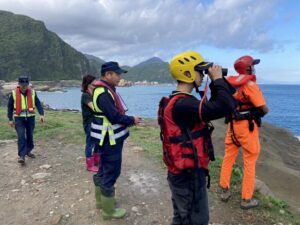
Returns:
(21, 160)
(248, 204)
(225, 195)
(30, 155)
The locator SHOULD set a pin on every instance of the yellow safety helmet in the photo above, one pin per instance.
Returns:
(184, 62)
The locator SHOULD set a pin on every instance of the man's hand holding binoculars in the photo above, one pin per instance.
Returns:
(215, 72)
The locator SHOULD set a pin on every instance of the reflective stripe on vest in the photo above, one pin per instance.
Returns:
(100, 127)
(99, 131)
(25, 112)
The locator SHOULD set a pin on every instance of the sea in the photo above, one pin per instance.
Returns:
(283, 102)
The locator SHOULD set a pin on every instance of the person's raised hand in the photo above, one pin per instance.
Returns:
(215, 72)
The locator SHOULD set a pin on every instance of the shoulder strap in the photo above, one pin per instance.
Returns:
(160, 114)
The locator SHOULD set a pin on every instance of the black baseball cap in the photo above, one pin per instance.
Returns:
(24, 80)
(112, 66)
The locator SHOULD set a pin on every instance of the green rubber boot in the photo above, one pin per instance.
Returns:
(108, 209)
(98, 197)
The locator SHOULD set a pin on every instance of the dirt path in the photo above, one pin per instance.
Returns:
(65, 195)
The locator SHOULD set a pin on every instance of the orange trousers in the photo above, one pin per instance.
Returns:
(249, 141)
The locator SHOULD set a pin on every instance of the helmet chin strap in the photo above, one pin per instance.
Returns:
(201, 93)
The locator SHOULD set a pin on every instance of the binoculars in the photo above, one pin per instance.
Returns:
(204, 69)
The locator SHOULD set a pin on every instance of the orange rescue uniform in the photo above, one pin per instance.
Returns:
(249, 141)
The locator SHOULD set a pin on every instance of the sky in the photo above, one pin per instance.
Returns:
(221, 31)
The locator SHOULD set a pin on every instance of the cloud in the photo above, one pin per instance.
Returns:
(130, 31)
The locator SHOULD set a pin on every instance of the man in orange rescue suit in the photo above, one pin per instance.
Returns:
(21, 115)
(185, 133)
(109, 130)
(243, 130)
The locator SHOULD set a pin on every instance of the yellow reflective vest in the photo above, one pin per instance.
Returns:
(24, 105)
(101, 125)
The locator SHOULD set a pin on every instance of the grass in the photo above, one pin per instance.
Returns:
(148, 138)
(65, 126)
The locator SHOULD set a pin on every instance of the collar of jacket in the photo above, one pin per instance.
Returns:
(112, 87)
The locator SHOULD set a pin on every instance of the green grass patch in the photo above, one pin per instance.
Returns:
(6, 132)
(236, 176)
(148, 138)
(63, 126)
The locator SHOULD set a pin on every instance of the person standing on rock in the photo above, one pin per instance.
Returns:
(21, 114)
(87, 109)
(109, 130)
(243, 130)
(186, 134)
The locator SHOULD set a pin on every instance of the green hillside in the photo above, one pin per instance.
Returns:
(150, 70)
(153, 69)
(95, 64)
(28, 47)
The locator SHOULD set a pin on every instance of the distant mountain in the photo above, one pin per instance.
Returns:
(153, 69)
(27, 47)
(126, 67)
(94, 58)
(95, 64)
(150, 61)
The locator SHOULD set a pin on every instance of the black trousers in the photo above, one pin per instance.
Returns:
(110, 167)
(189, 198)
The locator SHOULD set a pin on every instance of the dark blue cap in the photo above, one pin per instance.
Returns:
(24, 80)
(111, 66)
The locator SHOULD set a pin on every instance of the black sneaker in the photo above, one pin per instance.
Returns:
(30, 155)
(21, 160)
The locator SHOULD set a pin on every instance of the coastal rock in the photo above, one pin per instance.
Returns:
(3, 98)
(125, 83)
(263, 188)
(145, 82)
